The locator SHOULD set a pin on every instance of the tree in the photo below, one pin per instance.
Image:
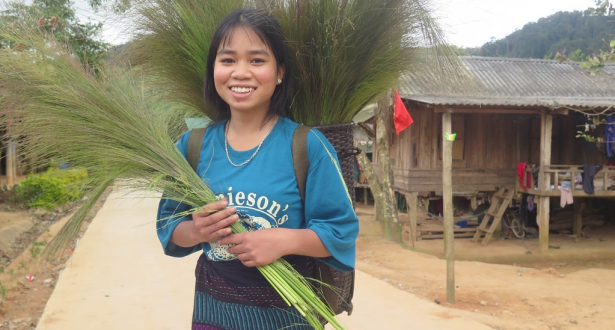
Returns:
(562, 32)
(603, 8)
(596, 62)
(58, 17)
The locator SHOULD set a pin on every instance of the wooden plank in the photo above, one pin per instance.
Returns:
(457, 173)
(436, 139)
(498, 111)
(413, 142)
(475, 142)
(456, 181)
(523, 140)
(447, 192)
(425, 145)
(440, 228)
(440, 236)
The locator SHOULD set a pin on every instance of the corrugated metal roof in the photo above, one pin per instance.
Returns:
(516, 82)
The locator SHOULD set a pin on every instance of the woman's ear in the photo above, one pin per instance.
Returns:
(281, 71)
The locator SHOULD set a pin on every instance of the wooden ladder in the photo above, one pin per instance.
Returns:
(499, 203)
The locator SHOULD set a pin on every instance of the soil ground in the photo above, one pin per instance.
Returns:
(24, 234)
(507, 284)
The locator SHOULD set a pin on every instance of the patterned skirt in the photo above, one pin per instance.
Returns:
(230, 296)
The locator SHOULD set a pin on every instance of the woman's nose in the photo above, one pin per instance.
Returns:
(242, 71)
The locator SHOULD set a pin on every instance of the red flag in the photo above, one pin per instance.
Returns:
(401, 117)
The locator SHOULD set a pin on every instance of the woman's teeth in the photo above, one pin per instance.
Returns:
(242, 89)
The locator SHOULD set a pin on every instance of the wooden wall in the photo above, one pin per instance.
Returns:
(484, 141)
(488, 147)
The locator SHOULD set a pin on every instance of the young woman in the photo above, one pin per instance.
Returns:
(246, 159)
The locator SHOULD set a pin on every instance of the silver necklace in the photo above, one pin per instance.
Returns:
(255, 152)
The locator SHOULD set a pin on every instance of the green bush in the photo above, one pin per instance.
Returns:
(52, 188)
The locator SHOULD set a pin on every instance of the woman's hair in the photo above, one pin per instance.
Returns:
(268, 29)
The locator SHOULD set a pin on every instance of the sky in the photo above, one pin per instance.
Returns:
(471, 23)
(466, 23)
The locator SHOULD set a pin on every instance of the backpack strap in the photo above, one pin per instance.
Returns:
(300, 157)
(195, 143)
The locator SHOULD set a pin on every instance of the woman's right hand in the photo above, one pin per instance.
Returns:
(213, 221)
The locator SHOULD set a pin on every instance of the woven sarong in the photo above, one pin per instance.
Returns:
(230, 296)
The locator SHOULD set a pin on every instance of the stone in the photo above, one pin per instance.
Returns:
(573, 320)
(483, 303)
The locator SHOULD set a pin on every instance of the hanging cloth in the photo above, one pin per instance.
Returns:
(589, 172)
(520, 173)
(609, 131)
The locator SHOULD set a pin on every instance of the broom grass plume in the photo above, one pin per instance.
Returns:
(118, 128)
(345, 53)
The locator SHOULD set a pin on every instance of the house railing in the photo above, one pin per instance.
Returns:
(567, 176)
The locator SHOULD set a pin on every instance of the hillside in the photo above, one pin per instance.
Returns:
(562, 32)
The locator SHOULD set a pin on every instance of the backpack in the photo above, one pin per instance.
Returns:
(339, 287)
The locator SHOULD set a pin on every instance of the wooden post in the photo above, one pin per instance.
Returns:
(546, 129)
(447, 195)
(579, 206)
(412, 206)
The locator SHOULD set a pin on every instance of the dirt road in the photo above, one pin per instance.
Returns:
(118, 278)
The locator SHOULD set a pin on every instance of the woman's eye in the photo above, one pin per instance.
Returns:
(226, 60)
(258, 60)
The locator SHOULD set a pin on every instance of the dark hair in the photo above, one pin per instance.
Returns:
(268, 29)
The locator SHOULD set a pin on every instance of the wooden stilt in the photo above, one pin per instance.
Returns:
(544, 183)
(579, 207)
(412, 207)
(447, 194)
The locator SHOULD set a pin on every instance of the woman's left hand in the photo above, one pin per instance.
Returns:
(257, 248)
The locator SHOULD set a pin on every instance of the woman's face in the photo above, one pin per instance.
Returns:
(246, 72)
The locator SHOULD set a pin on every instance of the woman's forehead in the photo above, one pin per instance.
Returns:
(246, 31)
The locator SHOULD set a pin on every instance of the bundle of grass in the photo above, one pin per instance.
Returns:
(121, 131)
(345, 53)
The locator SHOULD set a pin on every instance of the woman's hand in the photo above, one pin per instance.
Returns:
(213, 221)
(258, 248)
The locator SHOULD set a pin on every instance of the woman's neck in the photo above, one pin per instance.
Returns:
(244, 132)
(248, 123)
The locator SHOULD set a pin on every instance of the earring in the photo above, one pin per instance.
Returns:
(279, 81)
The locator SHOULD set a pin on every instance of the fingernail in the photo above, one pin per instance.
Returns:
(224, 202)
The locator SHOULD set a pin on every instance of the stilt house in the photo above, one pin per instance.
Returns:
(523, 111)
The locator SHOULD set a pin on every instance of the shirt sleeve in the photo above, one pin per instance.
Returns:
(328, 209)
(166, 222)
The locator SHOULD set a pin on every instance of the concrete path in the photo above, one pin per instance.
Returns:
(118, 278)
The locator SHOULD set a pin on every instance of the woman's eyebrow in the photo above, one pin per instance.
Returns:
(251, 52)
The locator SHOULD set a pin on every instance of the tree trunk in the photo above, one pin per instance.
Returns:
(385, 203)
(374, 185)
(390, 217)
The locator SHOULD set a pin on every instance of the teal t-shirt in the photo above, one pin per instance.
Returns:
(266, 195)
